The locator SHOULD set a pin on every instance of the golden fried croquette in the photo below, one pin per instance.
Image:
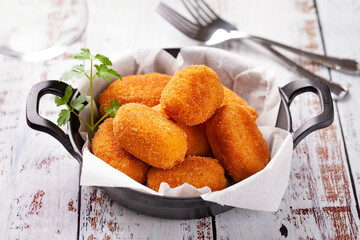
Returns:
(161, 110)
(145, 89)
(231, 97)
(192, 95)
(105, 146)
(237, 142)
(196, 171)
(149, 136)
(197, 142)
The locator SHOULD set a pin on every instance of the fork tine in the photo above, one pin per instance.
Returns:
(170, 12)
(200, 16)
(181, 23)
(191, 9)
(208, 9)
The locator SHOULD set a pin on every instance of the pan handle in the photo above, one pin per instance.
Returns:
(35, 121)
(289, 92)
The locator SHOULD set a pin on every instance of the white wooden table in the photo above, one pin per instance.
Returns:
(39, 181)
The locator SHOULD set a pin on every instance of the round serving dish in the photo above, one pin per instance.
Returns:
(174, 207)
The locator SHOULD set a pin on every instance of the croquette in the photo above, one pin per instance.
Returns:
(145, 89)
(192, 95)
(197, 142)
(231, 97)
(196, 171)
(237, 142)
(149, 135)
(161, 110)
(105, 146)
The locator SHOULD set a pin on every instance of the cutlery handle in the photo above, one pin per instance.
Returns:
(338, 91)
(289, 92)
(35, 121)
(340, 64)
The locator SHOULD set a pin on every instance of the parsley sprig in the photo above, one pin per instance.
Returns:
(78, 103)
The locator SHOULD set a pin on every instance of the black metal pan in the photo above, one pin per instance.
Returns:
(174, 207)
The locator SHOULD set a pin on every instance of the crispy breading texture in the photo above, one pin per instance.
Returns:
(197, 143)
(105, 146)
(145, 89)
(192, 95)
(149, 136)
(237, 142)
(231, 97)
(196, 171)
(161, 110)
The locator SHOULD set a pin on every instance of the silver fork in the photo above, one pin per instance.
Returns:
(211, 30)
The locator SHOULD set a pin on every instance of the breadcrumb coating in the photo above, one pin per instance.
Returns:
(196, 171)
(105, 146)
(192, 95)
(197, 143)
(145, 89)
(161, 110)
(237, 142)
(231, 97)
(150, 136)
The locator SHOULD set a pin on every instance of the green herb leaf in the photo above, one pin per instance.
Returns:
(85, 54)
(115, 105)
(78, 68)
(68, 93)
(64, 117)
(77, 103)
(79, 71)
(64, 100)
(68, 75)
(71, 74)
(59, 101)
(113, 73)
(103, 59)
(104, 72)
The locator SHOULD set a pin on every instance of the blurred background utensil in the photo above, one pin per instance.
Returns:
(39, 30)
(210, 29)
(338, 91)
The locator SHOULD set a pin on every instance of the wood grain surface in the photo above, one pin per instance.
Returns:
(39, 180)
(340, 34)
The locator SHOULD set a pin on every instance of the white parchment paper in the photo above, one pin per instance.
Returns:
(253, 82)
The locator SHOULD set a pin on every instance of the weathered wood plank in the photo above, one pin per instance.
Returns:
(102, 218)
(341, 33)
(38, 178)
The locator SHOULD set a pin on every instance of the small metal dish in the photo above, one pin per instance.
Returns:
(174, 207)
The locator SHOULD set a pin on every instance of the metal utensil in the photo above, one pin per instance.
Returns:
(338, 92)
(211, 30)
